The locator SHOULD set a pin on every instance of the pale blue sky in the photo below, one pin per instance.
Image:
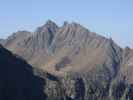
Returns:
(114, 17)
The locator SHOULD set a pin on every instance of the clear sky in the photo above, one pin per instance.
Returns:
(107, 17)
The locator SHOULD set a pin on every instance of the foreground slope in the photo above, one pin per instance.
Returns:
(17, 81)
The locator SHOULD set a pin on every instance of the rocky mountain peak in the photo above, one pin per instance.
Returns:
(75, 51)
(50, 23)
(72, 25)
(49, 27)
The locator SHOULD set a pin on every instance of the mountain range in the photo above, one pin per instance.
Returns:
(85, 65)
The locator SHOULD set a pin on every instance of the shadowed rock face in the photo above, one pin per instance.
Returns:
(17, 81)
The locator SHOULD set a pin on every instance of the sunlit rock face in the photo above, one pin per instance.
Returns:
(83, 64)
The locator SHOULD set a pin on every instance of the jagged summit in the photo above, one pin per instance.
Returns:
(72, 49)
(50, 22)
(49, 26)
(83, 50)
(72, 41)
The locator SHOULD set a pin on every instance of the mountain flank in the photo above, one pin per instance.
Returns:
(86, 65)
